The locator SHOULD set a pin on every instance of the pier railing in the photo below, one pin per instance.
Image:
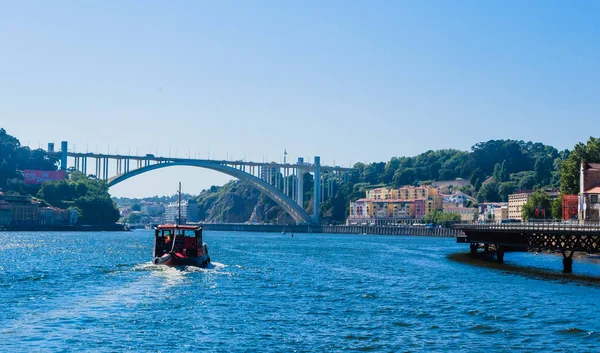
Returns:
(584, 226)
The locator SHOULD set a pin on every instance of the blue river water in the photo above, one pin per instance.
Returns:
(70, 292)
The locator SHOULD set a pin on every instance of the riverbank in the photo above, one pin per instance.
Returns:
(65, 228)
(340, 229)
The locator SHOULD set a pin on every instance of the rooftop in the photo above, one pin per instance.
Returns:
(595, 190)
(175, 226)
(593, 166)
(391, 200)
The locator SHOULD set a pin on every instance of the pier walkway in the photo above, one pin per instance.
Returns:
(567, 238)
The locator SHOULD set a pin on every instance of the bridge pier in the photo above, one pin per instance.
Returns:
(300, 187)
(473, 248)
(567, 262)
(499, 254)
(317, 189)
(64, 149)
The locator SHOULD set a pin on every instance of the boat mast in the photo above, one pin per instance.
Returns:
(179, 208)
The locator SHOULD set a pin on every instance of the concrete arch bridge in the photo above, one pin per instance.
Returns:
(279, 181)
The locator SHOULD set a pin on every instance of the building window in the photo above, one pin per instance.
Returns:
(594, 198)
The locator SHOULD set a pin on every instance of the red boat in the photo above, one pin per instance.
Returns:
(180, 245)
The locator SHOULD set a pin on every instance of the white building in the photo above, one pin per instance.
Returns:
(172, 212)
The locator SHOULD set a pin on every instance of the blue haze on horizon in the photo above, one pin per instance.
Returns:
(347, 80)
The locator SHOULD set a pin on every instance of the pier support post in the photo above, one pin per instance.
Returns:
(317, 189)
(473, 248)
(499, 255)
(300, 188)
(64, 149)
(567, 262)
(567, 265)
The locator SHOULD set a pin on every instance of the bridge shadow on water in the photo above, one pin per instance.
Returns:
(489, 261)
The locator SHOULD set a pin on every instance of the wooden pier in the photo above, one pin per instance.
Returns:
(566, 238)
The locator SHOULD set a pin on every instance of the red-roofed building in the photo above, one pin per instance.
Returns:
(589, 191)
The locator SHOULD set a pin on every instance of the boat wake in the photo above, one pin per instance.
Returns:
(168, 270)
(212, 267)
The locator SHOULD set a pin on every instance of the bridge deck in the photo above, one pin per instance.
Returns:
(564, 237)
(158, 159)
(554, 228)
(543, 236)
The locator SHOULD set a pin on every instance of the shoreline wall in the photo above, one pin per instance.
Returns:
(65, 228)
(341, 229)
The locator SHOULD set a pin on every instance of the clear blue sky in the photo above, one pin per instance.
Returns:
(346, 80)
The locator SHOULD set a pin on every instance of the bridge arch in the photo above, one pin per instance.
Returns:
(292, 208)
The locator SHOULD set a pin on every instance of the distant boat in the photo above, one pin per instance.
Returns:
(180, 245)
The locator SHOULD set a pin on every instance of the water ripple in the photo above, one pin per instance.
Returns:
(270, 293)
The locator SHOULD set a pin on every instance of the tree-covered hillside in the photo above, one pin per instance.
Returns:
(84, 193)
(495, 169)
(532, 164)
(15, 158)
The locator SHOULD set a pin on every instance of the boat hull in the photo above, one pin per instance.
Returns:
(176, 260)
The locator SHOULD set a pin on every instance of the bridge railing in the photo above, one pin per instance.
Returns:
(532, 226)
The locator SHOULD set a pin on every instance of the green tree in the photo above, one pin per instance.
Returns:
(498, 173)
(557, 207)
(539, 206)
(136, 207)
(488, 193)
(505, 189)
(504, 172)
(441, 218)
(133, 217)
(404, 177)
(527, 182)
(88, 195)
(543, 170)
(569, 169)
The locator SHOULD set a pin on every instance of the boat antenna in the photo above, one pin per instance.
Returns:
(179, 208)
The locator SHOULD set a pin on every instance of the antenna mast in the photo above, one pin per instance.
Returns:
(179, 208)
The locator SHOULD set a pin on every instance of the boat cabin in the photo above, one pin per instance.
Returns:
(180, 239)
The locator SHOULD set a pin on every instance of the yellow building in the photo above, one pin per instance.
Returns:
(365, 208)
(434, 203)
(465, 213)
(515, 204)
(500, 213)
(382, 194)
(416, 192)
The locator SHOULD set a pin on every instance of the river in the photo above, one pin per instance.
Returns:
(274, 293)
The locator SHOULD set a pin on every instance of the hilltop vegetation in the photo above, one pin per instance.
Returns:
(495, 169)
(15, 158)
(569, 170)
(523, 164)
(85, 193)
